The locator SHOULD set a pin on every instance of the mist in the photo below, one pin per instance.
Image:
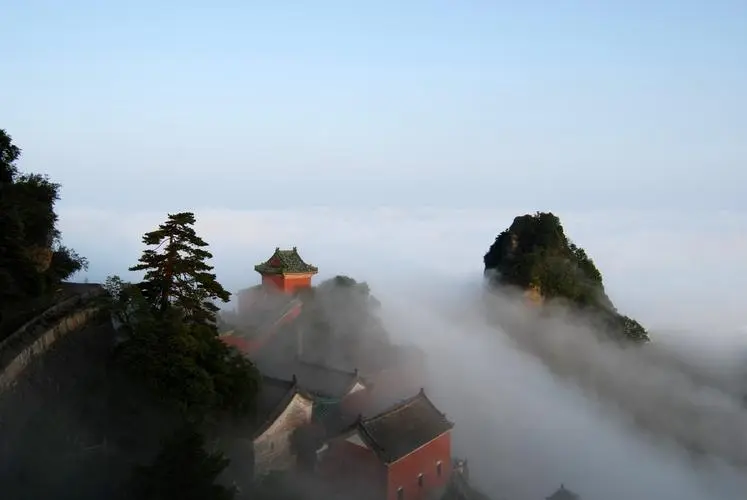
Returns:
(526, 429)
(541, 403)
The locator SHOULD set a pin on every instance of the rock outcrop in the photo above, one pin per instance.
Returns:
(535, 255)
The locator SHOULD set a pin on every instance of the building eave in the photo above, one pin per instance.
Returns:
(449, 426)
(294, 391)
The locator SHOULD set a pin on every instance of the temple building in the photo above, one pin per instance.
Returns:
(337, 393)
(286, 271)
(264, 309)
(401, 453)
(266, 329)
(360, 438)
(262, 442)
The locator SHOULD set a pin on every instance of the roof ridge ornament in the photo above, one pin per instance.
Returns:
(285, 262)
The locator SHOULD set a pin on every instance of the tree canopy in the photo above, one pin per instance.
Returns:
(172, 341)
(32, 257)
(535, 254)
(183, 470)
(179, 274)
(283, 485)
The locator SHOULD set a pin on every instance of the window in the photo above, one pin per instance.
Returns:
(420, 479)
(438, 468)
(400, 493)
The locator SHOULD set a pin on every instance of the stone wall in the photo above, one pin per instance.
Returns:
(273, 449)
(35, 337)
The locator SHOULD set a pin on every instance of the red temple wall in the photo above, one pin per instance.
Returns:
(347, 463)
(274, 281)
(287, 284)
(404, 473)
(354, 467)
(237, 342)
(291, 284)
(291, 315)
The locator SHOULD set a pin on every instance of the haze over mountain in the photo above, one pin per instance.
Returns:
(524, 429)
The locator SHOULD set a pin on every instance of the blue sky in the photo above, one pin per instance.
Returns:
(251, 105)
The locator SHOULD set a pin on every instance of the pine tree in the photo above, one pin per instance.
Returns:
(177, 274)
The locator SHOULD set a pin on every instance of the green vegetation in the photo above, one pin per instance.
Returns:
(33, 260)
(535, 254)
(183, 470)
(172, 342)
(179, 275)
(172, 347)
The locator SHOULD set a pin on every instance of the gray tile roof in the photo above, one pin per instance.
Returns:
(285, 262)
(397, 432)
(315, 378)
(273, 398)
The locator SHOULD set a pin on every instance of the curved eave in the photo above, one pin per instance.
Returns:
(292, 393)
(261, 269)
(357, 380)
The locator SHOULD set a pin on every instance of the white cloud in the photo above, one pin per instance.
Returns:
(526, 431)
(671, 269)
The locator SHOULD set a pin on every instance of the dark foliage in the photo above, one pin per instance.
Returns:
(183, 362)
(278, 485)
(32, 259)
(179, 274)
(183, 470)
(65, 262)
(171, 345)
(534, 253)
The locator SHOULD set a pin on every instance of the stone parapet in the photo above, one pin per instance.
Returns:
(38, 335)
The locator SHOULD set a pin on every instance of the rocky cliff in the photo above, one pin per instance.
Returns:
(535, 255)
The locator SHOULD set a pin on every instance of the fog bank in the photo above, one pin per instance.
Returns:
(526, 430)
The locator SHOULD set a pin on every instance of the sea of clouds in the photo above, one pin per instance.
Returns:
(682, 275)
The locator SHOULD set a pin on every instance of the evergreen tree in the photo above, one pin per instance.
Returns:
(182, 362)
(177, 273)
(183, 470)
